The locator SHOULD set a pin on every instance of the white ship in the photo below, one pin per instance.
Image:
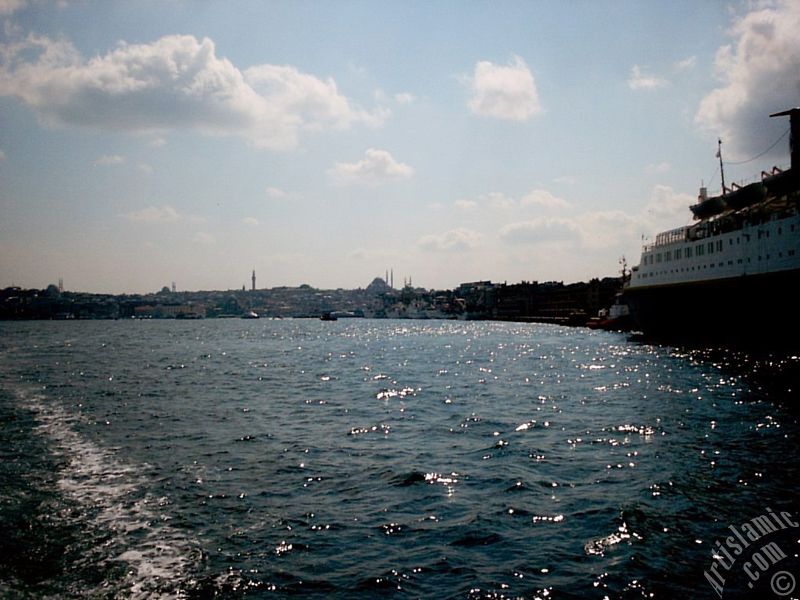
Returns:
(732, 275)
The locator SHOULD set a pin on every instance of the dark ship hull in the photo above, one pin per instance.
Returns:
(753, 310)
(732, 276)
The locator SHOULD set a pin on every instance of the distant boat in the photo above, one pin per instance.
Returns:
(615, 318)
(326, 316)
(250, 315)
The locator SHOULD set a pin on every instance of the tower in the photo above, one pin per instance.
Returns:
(254, 280)
(391, 283)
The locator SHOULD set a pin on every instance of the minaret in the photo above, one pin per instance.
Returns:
(391, 284)
(254, 280)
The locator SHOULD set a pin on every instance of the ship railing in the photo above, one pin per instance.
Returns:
(680, 234)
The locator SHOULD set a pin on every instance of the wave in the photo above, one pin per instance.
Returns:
(128, 540)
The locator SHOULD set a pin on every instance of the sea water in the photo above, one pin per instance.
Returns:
(364, 458)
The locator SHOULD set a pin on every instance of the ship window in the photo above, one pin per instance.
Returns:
(701, 249)
(658, 257)
(780, 231)
(767, 256)
(678, 254)
(730, 262)
(668, 256)
(711, 247)
(688, 252)
(780, 254)
(737, 239)
(792, 228)
(721, 264)
(719, 245)
(738, 262)
(791, 252)
(730, 242)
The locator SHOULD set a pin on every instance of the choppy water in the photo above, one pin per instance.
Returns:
(381, 458)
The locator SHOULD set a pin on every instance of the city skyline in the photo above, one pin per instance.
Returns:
(321, 144)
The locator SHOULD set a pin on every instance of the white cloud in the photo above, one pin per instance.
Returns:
(154, 214)
(109, 159)
(404, 98)
(204, 238)
(543, 199)
(505, 92)
(458, 239)
(377, 166)
(144, 168)
(176, 82)
(499, 201)
(356, 69)
(7, 7)
(600, 230)
(250, 221)
(657, 168)
(565, 180)
(685, 64)
(759, 74)
(668, 207)
(540, 230)
(610, 229)
(276, 193)
(466, 205)
(640, 81)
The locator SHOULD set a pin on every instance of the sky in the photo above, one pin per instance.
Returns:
(324, 143)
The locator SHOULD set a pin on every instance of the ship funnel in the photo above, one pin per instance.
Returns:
(794, 134)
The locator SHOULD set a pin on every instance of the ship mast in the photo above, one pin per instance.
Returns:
(794, 135)
(721, 168)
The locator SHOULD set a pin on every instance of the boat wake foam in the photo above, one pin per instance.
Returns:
(139, 553)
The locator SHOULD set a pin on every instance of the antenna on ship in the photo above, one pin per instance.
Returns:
(721, 168)
(623, 263)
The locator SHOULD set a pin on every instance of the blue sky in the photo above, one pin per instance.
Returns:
(324, 142)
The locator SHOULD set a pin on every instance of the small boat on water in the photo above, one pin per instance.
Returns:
(327, 316)
(250, 315)
(615, 318)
